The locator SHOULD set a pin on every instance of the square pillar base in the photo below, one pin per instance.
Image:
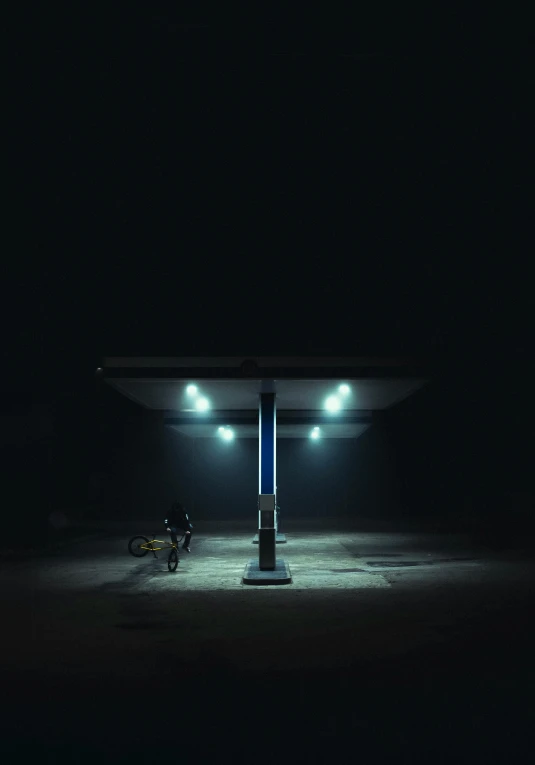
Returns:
(279, 575)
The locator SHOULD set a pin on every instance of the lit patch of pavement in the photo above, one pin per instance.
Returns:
(381, 555)
(411, 563)
(347, 570)
(398, 563)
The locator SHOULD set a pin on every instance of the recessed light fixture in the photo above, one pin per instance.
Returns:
(332, 404)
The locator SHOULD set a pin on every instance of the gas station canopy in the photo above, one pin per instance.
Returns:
(205, 397)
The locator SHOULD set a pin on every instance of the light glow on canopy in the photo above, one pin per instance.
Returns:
(332, 404)
(202, 404)
(344, 389)
(191, 390)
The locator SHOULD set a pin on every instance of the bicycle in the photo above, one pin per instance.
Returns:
(139, 546)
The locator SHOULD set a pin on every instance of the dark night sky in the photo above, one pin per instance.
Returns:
(215, 186)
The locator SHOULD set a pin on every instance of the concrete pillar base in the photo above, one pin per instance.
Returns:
(279, 575)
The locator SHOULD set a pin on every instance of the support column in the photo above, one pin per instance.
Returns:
(267, 570)
(267, 467)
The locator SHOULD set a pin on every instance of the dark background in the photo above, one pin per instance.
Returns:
(193, 185)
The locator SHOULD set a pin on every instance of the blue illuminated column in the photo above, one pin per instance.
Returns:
(267, 476)
(267, 462)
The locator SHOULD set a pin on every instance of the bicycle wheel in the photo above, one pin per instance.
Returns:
(172, 561)
(134, 546)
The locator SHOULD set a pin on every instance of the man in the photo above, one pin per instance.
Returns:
(177, 518)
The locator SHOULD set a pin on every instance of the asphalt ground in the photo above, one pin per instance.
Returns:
(396, 647)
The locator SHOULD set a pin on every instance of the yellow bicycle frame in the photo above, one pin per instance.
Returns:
(149, 546)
